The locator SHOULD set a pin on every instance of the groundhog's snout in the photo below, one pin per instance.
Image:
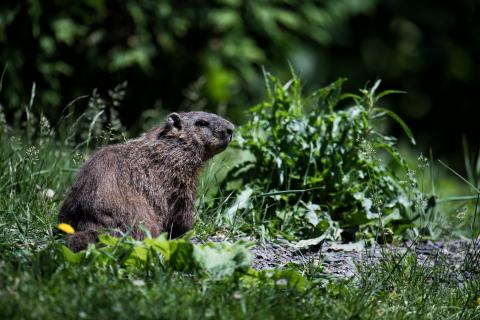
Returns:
(226, 131)
(229, 132)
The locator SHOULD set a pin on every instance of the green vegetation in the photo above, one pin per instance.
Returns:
(307, 165)
(315, 168)
(46, 287)
(321, 163)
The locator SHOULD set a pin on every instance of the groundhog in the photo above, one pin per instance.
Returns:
(149, 181)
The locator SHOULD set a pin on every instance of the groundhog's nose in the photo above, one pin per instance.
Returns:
(229, 132)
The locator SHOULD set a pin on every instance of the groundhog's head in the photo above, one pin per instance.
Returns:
(207, 131)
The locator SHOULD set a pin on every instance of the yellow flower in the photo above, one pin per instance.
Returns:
(65, 227)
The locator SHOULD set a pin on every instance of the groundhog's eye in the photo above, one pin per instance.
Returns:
(201, 123)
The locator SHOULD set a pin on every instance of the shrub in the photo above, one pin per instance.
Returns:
(318, 167)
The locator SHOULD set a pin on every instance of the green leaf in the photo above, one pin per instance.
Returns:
(286, 278)
(399, 120)
(108, 239)
(302, 244)
(66, 30)
(181, 257)
(140, 253)
(72, 257)
(388, 92)
(241, 202)
(353, 246)
(220, 261)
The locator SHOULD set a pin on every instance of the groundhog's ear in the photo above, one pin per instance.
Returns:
(174, 120)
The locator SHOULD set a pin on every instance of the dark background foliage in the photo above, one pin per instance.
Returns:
(209, 55)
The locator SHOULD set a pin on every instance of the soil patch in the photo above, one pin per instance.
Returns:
(342, 261)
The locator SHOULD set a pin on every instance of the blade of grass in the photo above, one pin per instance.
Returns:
(460, 176)
(456, 198)
(399, 120)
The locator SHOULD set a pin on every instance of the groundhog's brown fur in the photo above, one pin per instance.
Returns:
(149, 181)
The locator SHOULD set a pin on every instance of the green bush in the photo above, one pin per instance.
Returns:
(318, 168)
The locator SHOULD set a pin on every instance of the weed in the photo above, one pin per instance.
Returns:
(317, 169)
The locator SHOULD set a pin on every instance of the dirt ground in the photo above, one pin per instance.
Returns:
(343, 261)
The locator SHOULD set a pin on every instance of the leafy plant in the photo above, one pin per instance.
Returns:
(319, 166)
(127, 255)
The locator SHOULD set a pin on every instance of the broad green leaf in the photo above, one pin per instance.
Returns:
(108, 239)
(220, 261)
(181, 257)
(353, 246)
(310, 242)
(72, 257)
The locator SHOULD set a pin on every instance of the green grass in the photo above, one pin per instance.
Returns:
(398, 289)
(38, 282)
